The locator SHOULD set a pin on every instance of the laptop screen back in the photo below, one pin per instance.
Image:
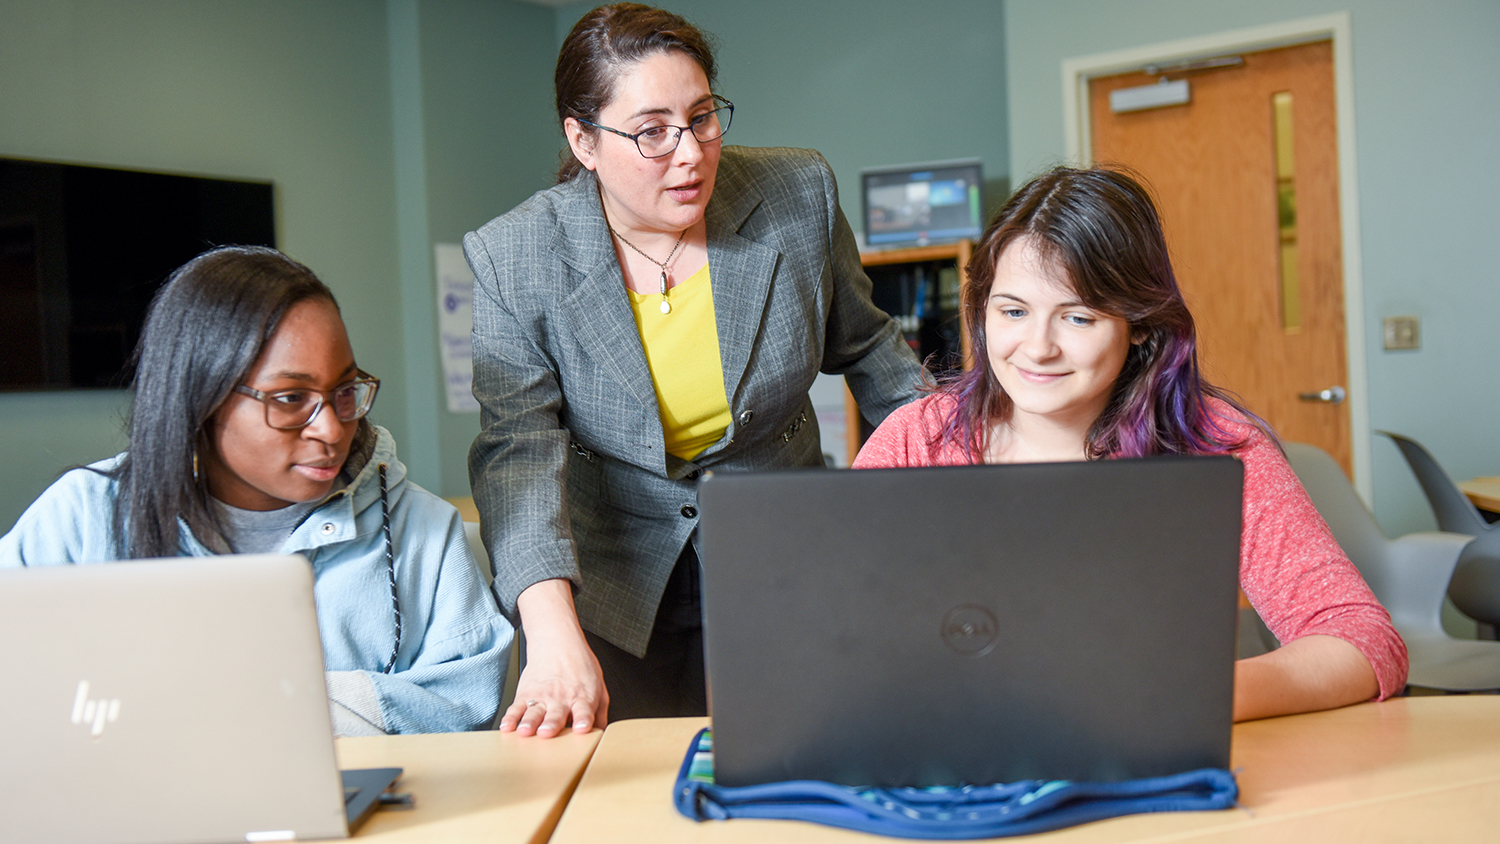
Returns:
(163, 701)
(976, 624)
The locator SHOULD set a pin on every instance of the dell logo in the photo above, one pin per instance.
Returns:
(970, 630)
(94, 713)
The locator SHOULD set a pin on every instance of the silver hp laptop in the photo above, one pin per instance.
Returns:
(169, 700)
(971, 625)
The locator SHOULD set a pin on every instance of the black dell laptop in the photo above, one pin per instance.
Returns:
(971, 625)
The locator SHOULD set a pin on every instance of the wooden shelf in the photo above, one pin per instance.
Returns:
(959, 253)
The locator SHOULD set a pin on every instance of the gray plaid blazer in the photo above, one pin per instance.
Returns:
(570, 471)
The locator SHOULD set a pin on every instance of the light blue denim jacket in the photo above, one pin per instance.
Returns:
(455, 644)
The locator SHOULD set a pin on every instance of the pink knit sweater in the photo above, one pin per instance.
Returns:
(1291, 568)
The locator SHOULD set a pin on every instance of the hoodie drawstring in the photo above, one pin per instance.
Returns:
(390, 560)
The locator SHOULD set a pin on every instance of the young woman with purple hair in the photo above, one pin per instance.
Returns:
(1085, 350)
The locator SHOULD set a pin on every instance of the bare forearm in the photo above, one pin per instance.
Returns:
(1311, 673)
(547, 614)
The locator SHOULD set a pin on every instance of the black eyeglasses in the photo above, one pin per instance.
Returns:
(289, 410)
(663, 140)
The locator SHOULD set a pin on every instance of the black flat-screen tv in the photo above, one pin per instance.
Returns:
(918, 204)
(82, 251)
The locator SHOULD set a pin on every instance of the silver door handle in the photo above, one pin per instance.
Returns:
(1332, 395)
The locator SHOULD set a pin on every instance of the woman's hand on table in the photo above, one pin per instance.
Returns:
(562, 682)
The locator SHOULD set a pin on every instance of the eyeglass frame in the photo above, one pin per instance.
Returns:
(324, 399)
(636, 138)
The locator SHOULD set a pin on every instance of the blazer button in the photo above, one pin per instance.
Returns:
(746, 417)
(689, 511)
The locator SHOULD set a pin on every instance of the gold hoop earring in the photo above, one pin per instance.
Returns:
(195, 464)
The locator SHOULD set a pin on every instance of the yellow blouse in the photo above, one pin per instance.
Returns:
(682, 352)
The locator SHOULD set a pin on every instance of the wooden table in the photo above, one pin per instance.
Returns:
(1484, 492)
(1410, 769)
(466, 507)
(487, 787)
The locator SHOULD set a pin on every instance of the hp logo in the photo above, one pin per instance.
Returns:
(93, 713)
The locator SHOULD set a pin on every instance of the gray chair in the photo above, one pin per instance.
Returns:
(518, 647)
(1475, 588)
(1409, 575)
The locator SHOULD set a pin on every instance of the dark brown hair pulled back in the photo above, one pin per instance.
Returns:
(602, 45)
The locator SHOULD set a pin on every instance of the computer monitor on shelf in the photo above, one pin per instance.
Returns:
(919, 204)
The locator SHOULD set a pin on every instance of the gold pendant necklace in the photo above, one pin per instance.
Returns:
(666, 307)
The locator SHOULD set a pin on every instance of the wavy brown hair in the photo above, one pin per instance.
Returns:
(1100, 227)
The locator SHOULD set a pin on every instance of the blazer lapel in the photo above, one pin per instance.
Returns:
(599, 313)
(742, 270)
(597, 310)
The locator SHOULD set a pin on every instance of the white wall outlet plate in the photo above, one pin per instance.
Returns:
(1402, 332)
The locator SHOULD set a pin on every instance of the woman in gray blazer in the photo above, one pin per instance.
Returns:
(660, 312)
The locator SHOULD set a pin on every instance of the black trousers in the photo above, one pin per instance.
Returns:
(669, 679)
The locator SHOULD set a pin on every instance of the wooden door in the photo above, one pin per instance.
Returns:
(1254, 234)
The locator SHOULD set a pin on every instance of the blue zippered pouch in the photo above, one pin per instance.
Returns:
(947, 813)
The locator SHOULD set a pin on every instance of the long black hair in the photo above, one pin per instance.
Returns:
(205, 330)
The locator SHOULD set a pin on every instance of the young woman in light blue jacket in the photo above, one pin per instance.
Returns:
(248, 434)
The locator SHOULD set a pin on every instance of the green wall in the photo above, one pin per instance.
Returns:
(297, 93)
(894, 90)
(865, 82)
(1426, 80)
(481, 80)
(391, 125)
(386, 126)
